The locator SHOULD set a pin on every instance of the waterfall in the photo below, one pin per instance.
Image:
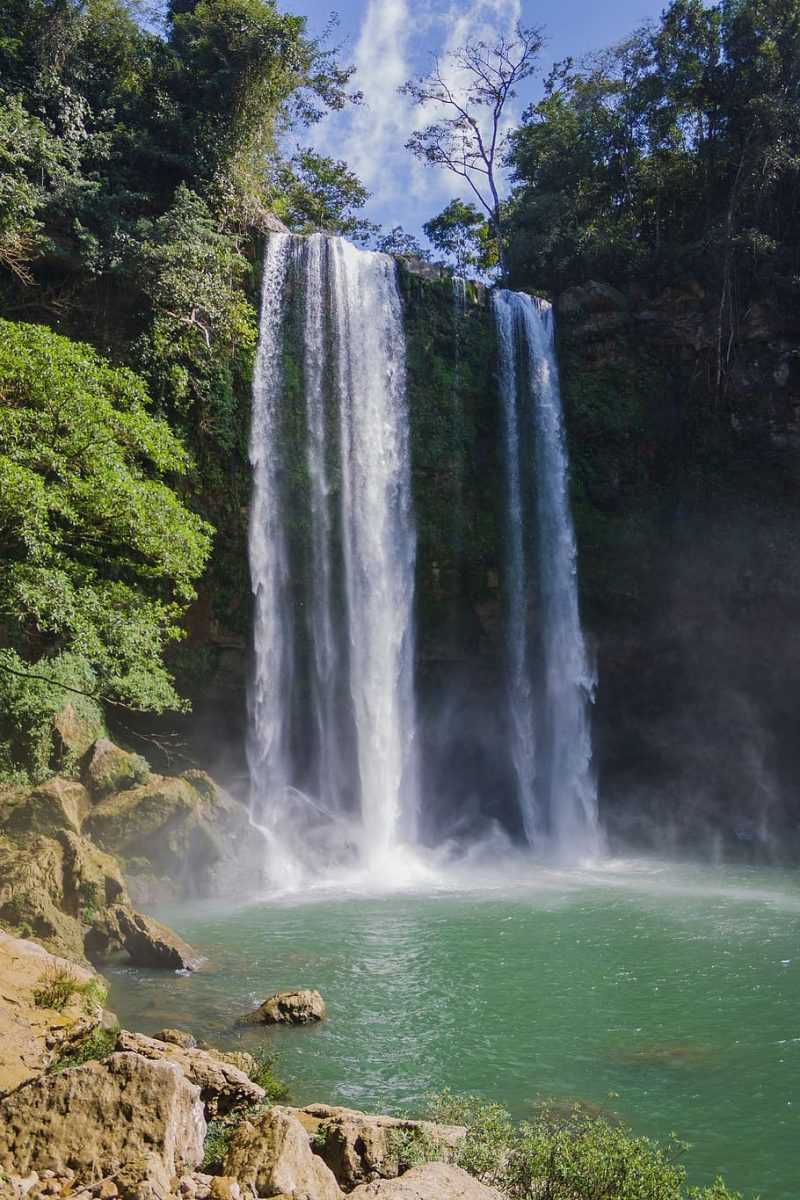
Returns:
(550, 734)
(332, 703)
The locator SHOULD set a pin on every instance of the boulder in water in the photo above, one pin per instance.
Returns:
(177, 1037)
(137, 1120)
(300, 1007)
(271, 1156)
(146, 941)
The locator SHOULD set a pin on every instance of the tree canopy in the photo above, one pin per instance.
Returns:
(100, 555)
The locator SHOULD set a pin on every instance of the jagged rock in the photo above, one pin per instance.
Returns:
(299, 1007)
(111, 769)
(146, 941)
(32, 895)
(237, 1058)
(177, 1037)
(271, 1156)
(140, 1121)
(359, 1147)
(433, 1181)
(222, 1087)
(31, 1036)
(92, 878)
(59, 804)
(74, 734)
(179, 828)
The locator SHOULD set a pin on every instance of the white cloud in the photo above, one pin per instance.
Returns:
(372, 137)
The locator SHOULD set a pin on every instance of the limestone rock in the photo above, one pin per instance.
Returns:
(181, 828)
(146, 941)
(31, 1037)
(237, 1058)
(59, 804)
(32, 895)
(74, 733)
(222, 1087)
(140, 1121)
(300, 1007)
(111, 769)
(92, 878)
(359, 1147)
(433, 1181)
(272, 1156)
(177, 1037)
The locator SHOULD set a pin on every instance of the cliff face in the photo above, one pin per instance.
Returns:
(684, 476)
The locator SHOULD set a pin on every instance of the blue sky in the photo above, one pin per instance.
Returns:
(392, 39)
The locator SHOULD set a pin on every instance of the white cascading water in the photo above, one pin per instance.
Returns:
(356, 418)
(562, 797)
(518, 677)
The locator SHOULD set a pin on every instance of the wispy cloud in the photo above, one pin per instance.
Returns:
(372, 137)
(379, 127)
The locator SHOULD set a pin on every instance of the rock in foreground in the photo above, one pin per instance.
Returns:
(433, 1181)
(272, 1156)
(222, 1087)
(301, 1007)
(360, 1147)
(32, 1035)
(137, 1120)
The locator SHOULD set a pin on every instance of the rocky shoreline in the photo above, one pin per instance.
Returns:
(88, 1110)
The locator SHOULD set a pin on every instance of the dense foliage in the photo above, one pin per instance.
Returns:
(139, 164)
(100, 554)
(577, 1157)
(676, 151)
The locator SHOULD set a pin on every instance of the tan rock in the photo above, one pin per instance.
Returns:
(74, 733)
(32, 894)
(433, 1181)
(359, 1147)
(53, 806)
(272, 1156)
(300, 1007)
(222, 1087)
(141, 1121)
(177, 1037)
(147, 942)
(225, 1188)
(111, 769)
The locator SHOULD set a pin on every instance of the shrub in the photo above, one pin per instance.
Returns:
(97, 1046)
(264, 1075)
(60, 985)
(567, 1157)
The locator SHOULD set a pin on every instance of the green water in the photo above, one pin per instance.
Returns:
(667, 996)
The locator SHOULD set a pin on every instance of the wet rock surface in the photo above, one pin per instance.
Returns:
(300, 1007)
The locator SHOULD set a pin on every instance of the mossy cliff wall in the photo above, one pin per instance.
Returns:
(686, 506)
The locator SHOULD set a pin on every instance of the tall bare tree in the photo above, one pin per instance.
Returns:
(470, 88)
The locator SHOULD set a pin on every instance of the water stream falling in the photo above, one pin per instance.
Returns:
(344, 787)
(550, 734)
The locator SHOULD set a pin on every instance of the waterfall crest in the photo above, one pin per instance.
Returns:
(332, 753)
(548, 707)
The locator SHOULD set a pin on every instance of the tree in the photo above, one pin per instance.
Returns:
(471, 92)
(463, 234)
(315, 192)
(397, 241)
(100, 555)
